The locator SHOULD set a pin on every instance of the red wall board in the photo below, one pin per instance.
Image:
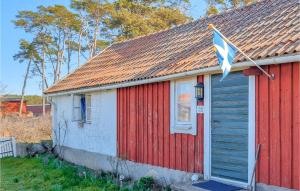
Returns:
(277, 126)
(263, 125)
(167, 137)
(275, 148)
(296, 126)
(286, 124)
(155, 124)
(199, 141)
(144, 127)
(252, 71)
(160, 125)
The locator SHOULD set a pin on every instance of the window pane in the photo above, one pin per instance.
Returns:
(76, 100)
(184, 101)
(77, 114)
(88, 100)
(88, 114)
(88, 107)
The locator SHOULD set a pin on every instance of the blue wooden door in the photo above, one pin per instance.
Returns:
(229, 127)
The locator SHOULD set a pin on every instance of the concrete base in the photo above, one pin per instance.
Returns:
(97, 161)
(265, 187)
(179, 180)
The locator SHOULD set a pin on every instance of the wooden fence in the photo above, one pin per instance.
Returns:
(7, 147)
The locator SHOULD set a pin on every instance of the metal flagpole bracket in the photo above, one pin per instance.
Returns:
(270, 76)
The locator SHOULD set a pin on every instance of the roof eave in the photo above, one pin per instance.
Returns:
(267, 61)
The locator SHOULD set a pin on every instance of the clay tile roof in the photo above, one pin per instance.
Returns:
(264, 29)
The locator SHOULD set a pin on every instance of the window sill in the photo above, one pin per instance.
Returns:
(82, 123)
(183, 129)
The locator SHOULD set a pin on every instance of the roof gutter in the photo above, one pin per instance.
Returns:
(214, 69)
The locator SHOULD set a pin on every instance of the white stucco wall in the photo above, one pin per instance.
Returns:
(99, 136)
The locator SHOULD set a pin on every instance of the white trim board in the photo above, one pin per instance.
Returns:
(207, 132)
(175, 127)
(251, 129)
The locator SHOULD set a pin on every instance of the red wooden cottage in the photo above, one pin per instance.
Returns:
(136, 101)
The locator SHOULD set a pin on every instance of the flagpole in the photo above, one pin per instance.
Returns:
(272, 77)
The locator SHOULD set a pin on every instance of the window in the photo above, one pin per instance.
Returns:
(183, 106)
(76, 108)
(183, 102)
(82, 109)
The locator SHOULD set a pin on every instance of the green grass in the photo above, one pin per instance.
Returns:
(53, 175)
(45, 173)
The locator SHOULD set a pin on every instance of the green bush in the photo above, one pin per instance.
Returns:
(15, 179)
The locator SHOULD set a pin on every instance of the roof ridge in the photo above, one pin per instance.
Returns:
(190, 22)
(154, 33)
(234, 9)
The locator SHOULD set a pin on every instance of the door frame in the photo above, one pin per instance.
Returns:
(207, 133)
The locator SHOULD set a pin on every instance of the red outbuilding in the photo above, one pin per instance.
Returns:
(12, 105)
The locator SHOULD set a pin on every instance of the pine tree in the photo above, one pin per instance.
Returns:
(216, 6)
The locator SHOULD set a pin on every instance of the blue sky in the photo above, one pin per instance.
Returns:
(12, 72)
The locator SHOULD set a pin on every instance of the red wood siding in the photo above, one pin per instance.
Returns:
(144, 130)
(277, 124)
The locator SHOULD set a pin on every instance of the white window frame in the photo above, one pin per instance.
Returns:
(86, 108)
(183, 127)
(76, 106)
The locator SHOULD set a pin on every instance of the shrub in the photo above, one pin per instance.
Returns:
(15, 179)
(145, 183)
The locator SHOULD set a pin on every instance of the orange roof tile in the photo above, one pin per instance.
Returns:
(264, 29)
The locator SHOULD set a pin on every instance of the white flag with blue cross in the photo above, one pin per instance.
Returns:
(225, 52)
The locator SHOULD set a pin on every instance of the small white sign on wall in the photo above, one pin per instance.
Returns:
(200, 109)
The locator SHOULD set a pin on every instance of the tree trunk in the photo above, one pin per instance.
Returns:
(70, 36)
(58, 53)
(95, 38)
(61, 58)
(43, 82)
(69, 56)
(41, 73)
(79, 47)
(24, 86)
